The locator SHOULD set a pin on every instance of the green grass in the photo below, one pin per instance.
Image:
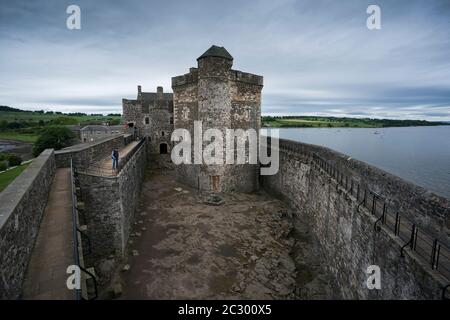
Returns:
(8, 176)
(18, 136)
(34, 116)
(27, 126)
(334, 122)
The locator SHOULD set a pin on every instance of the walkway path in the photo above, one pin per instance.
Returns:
(105, 165)
(53, 251)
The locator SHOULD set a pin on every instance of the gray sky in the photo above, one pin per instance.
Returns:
(317, 57)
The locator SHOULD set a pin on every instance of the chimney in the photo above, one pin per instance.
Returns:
(139, 90)
(159, 92)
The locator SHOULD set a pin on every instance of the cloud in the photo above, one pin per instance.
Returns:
(315, 56)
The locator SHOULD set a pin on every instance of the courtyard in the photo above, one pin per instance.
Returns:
(186, 245)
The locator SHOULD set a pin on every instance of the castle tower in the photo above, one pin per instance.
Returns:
(222, 99)
(214, 105)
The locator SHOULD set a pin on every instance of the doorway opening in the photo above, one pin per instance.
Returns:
(163, 148)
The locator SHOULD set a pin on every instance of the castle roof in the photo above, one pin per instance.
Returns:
(97, 127)
(151, 96)
(216, 51)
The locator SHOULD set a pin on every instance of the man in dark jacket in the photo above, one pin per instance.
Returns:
(115, 159)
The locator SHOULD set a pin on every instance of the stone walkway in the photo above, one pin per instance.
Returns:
(184, 248)
(106, 163)
(53, 251)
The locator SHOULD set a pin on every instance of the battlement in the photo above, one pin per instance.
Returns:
(246, 77)
(235, 76)
(185, 79)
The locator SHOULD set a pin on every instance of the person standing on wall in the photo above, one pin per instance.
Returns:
(115, 159)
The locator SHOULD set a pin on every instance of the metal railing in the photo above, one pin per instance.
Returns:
(428, 248)
(98, 167)
(76, 233)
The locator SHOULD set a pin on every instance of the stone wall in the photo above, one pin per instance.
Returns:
(110, 203)
(88, 152)
(22, 205)
(130, 184)
(345, 228)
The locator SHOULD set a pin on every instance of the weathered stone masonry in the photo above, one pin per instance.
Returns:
(89, 152)
(22, 206)
(222, 99)
(150, 115)
(110, 204)
(345, 230)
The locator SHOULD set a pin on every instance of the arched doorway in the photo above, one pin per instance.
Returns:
(163, 148)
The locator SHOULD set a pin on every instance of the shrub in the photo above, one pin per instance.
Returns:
(3, 166)
(4, 156)
(114, 122)
(54, 137)
(64, 120)
(14, 160)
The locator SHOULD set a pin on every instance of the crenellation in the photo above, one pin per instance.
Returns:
(248, 78)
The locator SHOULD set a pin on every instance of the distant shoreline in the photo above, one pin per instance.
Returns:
(353, 127)
(335, 122)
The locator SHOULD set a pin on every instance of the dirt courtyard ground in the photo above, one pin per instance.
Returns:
(183, 247)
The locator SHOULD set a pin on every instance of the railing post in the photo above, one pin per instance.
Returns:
(433, 254)
(374, 203)
(397, 224)
(438, 251)
(414, 237)
(412, 241)
(381, 218)
(444, 291)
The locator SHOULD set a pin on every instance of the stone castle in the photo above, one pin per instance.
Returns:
(322, 214)
(220, 97)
